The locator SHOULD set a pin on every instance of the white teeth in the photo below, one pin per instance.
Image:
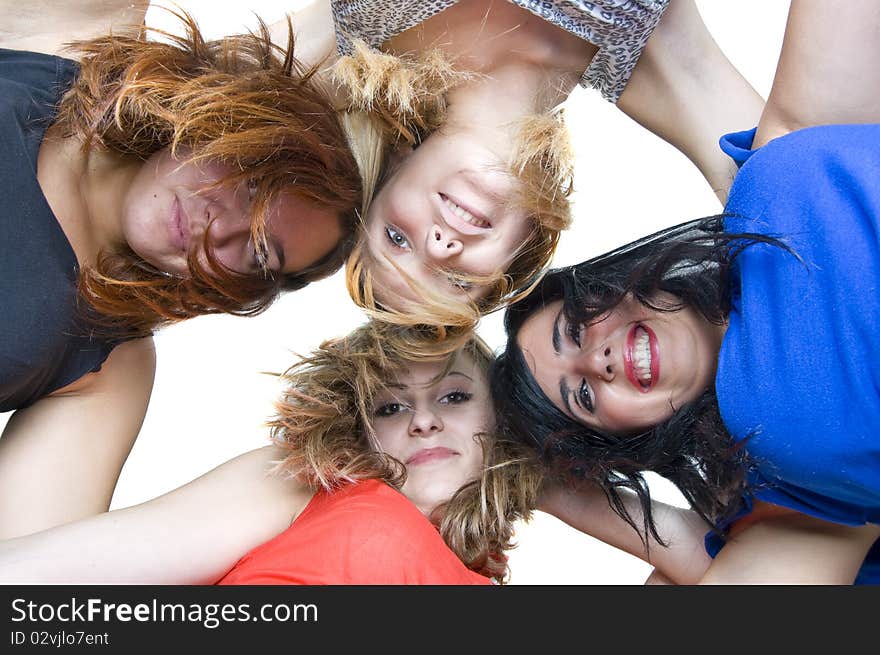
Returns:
(464, 214)
(642, 356)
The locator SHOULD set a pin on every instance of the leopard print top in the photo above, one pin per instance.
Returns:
(619, 28)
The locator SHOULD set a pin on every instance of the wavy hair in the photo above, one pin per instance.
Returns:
(693, 262)
(408, 95)
(240, 100)
(324, 423)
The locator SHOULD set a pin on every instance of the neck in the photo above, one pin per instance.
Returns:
(494, 37)
(718, 332)
(492, 108)
(104, 179)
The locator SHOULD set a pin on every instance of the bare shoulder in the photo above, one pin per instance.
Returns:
(47, 25)
(129, 369)
(787, 547)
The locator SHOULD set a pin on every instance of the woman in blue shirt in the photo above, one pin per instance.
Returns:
(734, 355)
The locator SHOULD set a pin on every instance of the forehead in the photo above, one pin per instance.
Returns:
(430, 374)
(536, 333)
(304, 230)
(535, 339)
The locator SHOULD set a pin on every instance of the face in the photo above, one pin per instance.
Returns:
(444, 212)
(629, 371)
(431, 426)
(170, 205)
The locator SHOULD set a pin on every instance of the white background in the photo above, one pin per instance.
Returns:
(212, 395)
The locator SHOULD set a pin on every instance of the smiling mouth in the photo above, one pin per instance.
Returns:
(463, 219)
(642, 361)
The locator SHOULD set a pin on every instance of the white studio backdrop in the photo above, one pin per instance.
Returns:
(212, 395)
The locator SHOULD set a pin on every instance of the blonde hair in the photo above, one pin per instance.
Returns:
(407, 94)
(324, 423)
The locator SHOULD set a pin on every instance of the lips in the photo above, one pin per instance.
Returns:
(178, 226)
(641, 358)
(462, 218)
(429, 455)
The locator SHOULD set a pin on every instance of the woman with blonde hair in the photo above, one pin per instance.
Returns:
(150, 181)
(476, 191)
(376, 462)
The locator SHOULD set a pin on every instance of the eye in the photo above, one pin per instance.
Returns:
(584, 399)
(573, 330)
(261, 256)
(389, 409)
(397, 239)
(456, 397)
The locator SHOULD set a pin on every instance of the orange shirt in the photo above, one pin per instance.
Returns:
(363, 534)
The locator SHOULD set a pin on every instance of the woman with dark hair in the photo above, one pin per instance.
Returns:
(734, 355)
(148, 182)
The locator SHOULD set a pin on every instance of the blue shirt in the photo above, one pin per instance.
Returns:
(798, 369)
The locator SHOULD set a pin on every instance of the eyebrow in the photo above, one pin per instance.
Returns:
(557, 340)
(406, 386)
(279, 251)
(445, 276)
(565, 392)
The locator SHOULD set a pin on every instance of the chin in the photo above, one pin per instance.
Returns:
(177, 269)
(428, 500)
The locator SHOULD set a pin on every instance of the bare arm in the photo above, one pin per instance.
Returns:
(314, 33)
(192, 535)
(793, 549)
(827, 71)
(60, 458)
(47, 25)
(683, 561)
(687, 92)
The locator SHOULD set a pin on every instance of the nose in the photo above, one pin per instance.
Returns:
(598, 363)
(443, 244)
(225, 226)
(425, 423)
(229, 233)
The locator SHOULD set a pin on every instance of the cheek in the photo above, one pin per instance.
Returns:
(141, 219)
(391, 435)
(498, 255)
(469, 428)
(636, 413)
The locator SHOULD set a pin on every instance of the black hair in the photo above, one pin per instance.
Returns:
(693, 262)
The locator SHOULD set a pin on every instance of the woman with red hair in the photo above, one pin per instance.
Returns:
(147, 182)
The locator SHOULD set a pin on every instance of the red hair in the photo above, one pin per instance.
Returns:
(241, 101)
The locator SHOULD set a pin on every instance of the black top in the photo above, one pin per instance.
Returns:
(43, 345)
